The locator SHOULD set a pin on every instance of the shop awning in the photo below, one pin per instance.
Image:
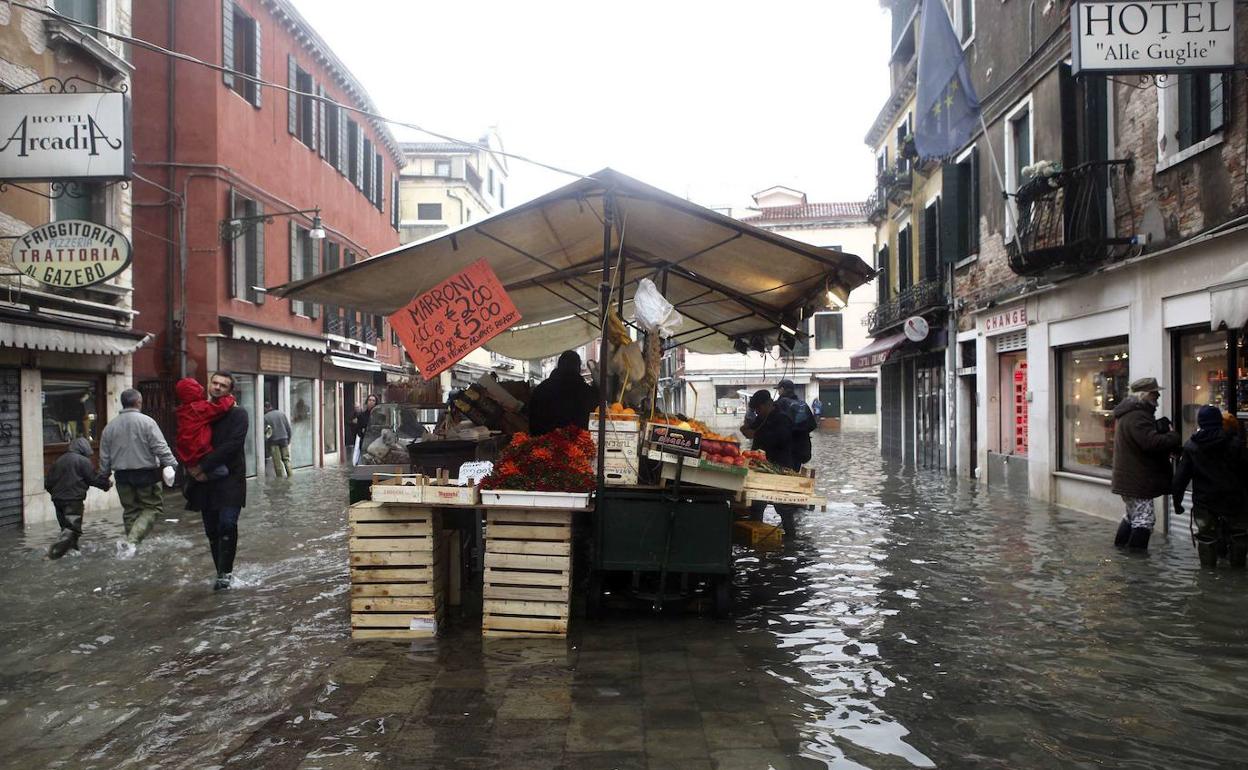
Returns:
(350, 362)
(242, 331)
(728, 279)
(877, 352)
(1228, 301)
(78, 337)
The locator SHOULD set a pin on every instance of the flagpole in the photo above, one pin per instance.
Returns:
(996, 169)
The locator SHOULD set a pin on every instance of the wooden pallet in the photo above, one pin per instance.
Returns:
(528, 572)
(397, 567)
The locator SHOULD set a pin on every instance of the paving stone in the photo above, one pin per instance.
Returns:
(595, 728)
(667, 744)
(737, 729)
(605, 760)
(750, 759)
(536, 703)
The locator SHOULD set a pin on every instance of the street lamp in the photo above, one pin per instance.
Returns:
(232, 228)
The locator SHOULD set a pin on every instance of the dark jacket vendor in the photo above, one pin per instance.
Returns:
(562, 399)
(772, 430)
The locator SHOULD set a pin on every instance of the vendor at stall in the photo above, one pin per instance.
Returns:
(562, 399)
(771, 429)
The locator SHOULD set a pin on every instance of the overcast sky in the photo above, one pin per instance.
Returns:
(708, 100)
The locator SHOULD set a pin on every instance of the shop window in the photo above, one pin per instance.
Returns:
(1092, 380)
(1210, 370)
(329, 417)
(241, 52)
(829, 331)
(429, 211)
(302, 403)
(73, 407)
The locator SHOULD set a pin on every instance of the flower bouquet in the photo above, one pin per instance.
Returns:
(543, 468)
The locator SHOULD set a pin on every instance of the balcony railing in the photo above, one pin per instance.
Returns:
(877, 206)
(1073, 220)
(894, 182)
(912, 300)
(473, 178)
(336, 324)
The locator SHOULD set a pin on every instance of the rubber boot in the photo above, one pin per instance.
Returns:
(223, 581)
(1208, 553)
(1137, 542)
(63, 543)
(1123, 534)
(214, 546)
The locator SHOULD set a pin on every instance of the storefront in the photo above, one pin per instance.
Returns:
(1210, 368)
(913, 397)
(1006, 394)
(346, 380)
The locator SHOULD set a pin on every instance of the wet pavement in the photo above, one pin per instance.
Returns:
(919, 622)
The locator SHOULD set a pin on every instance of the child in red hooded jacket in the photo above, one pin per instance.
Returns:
(195, 417)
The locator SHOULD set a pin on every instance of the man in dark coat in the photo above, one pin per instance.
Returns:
(1142, 449)
(1216, 465)
(562, 399)
(802, 417)
(67, 482)
(771, 431)
(221, 501)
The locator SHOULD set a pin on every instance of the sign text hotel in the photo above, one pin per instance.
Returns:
(44, 137)
(1153, 36)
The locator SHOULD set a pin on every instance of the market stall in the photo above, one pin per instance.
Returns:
(587, 262)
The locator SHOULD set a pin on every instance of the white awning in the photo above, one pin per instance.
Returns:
(100, 343)
(1228, 301)
(358, 364)
(242, 331)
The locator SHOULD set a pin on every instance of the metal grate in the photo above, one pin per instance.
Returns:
(1008, 343)
(10, 448)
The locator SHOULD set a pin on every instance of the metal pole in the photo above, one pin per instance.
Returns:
(604, 305)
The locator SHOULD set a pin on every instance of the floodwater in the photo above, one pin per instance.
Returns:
(918, 622)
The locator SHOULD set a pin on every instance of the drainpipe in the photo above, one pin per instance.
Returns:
(171, 327)
(458, 200)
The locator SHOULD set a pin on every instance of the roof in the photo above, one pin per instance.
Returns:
(851, 210)
(779, 188)
(317, 45)
(728, 279)
(437, 147)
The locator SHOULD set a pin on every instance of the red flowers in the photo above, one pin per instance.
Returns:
(555, 462)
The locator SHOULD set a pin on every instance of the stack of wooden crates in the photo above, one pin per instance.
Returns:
(528, 572)
(398, 561)
(623, 450)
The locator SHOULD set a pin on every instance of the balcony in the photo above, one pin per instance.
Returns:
(895, 182)
(912, 300)
(1073, 220)
(472, 177)
(342, 327)
(877, 206)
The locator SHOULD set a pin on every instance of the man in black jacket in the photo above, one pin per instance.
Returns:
(67, 482)
(221, 501)
(1216, 465)
(1142, 449)
(562, 399)
(771, 430)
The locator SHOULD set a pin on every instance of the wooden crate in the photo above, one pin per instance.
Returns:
(804, 484)
(397, 566)
(757, 534)
(418, 489)
(528, 572)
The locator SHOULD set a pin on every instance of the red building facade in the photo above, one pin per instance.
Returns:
(237, 177)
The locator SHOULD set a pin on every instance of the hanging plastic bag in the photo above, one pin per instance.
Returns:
(653, 312)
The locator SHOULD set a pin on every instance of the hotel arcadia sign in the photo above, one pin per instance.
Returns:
(71, 253)
(45, 137)
(1153, 36)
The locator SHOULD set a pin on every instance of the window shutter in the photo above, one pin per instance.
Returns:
(258, 279)
(227, 41)
(951, 247)
(379, 183)
(296, 266)
(359, 158)
(972, 246)
(320, 111)
(316, 269)
(1219, 89)
(253, 87)
(234, 259)
(883, 278)
(292, 99)
(394, 201)
(342, 142)
(313, 115)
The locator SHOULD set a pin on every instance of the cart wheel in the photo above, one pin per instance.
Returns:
(593, 597)
(723, 596)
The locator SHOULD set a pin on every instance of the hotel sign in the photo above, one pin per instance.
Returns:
(1153, 36)
(1007, 321)
(71, 253)
(44, 137)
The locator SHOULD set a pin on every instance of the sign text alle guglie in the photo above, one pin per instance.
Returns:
(454, 318)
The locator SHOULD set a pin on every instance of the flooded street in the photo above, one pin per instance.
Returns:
(919, 622)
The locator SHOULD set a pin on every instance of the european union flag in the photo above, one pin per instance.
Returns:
(946, 108)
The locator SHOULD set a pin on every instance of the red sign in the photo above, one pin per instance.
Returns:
(454, 318)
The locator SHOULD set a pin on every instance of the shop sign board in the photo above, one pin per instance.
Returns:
(916, 328)
(675, 440)
(45, 137)
(454, 318)
(1157, 36)
(1006, 321)
(71, 253)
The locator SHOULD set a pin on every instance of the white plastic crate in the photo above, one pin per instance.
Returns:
(516, 498)
(620, 471)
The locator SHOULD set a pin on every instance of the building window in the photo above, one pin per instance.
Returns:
(490, 177)
(1210, 369)
(442, 168)
(247, 252)
(86, 11)
(303, 107)
(333, 135)
(960, 193)
(829, 331)
(379, 181)
(881, 263)
(88, 205)
(430, 211)
(73, 407)
(366, 186)
(930, 248)
(903, 133)
(241, 52)
(304, 263)
(1018, 155)
(1092, 380)
(353, 151)
(964, 13)
(905, 258)
(1202, 110)
(502, 199)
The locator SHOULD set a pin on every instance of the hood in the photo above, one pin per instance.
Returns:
(1131, 403)
(81, 446)
(1209, 439)
(188, 389)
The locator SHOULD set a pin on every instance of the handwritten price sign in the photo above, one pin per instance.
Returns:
(454, 318)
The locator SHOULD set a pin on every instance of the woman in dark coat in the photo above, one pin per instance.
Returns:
(1215, 463)
(359, 426)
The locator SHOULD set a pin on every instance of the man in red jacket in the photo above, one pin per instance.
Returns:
(1142, 449)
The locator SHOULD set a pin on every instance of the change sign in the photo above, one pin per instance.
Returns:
(454, 318)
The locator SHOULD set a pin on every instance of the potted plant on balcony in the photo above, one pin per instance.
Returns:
(1041, 176)
(907, 149)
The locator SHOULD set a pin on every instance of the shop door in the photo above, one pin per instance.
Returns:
(929, 401)
(1013, 398)
(245, 396)
(10, 448)
(348, 411)
(830, 397)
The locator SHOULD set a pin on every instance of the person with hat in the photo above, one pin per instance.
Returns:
(1215, 463)
(1142, 449)
(803, 419)
(771, 431)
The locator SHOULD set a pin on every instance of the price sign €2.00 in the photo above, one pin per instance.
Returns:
(454, 318)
